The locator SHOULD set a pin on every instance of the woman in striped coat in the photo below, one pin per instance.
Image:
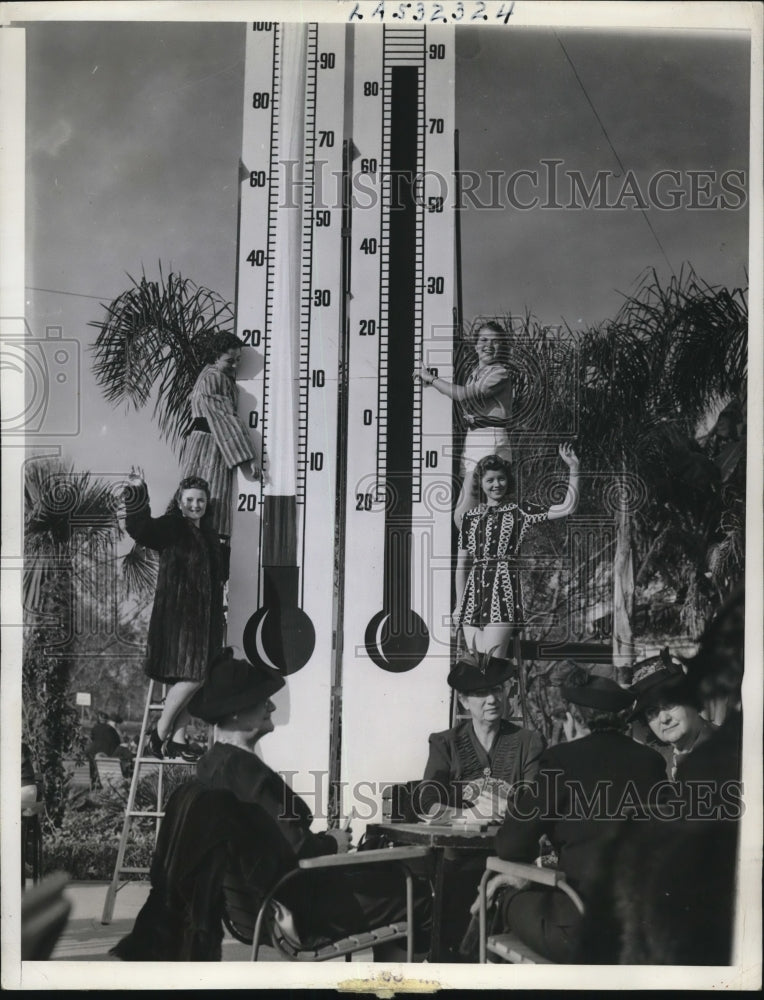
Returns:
(219, 441)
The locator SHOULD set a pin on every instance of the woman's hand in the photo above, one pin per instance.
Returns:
(343, 839)
(568, 456)
(425, 375)
(254, 468)
(135, 477)
(494, 885)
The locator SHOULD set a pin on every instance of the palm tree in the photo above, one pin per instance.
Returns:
(671, 357)
(640, 389)
(71, 527)
(152, 341)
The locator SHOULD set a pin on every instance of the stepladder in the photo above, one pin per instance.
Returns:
(151, 785)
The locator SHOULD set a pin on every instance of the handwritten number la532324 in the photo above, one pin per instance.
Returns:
(433, 13)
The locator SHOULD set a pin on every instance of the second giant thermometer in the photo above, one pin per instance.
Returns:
(397, 573)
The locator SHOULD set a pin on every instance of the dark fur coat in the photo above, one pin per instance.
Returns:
(208, 840)
(186, 628)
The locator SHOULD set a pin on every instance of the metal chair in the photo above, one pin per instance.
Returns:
(509, 947)
(110, 773)
(274, 921)
(78, 774)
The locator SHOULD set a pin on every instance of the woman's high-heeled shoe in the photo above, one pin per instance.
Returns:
(154, 743)
(185, 751)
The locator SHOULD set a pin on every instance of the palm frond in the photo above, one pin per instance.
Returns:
(698, 340)
(139, 571)
(70, 518)
(151, 343)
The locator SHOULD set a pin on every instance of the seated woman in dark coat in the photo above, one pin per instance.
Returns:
(587, 790)
(670, 706)
(240, 823)
(236, 698)
(484, 746)
(475, 767)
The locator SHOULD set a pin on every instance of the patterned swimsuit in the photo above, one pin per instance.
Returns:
(492, 536)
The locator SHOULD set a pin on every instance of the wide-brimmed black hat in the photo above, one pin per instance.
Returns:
(233, 685)
(598, 692)
(467, 676)
(657, 678)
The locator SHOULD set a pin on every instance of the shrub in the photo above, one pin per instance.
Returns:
(86, 843)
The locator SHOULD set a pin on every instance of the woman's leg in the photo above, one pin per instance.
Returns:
(491, 639)
(471, 633)
(182, 719)
(175, 703)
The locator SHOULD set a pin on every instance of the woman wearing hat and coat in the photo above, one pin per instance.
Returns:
(484, 752)
(586, 789)
(670, 706)
(483, 746)
(236, 698)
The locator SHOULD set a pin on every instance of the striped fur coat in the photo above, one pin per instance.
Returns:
(214, 454)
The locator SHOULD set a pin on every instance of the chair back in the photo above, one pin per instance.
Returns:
(110, 773)
(78, 774)
(510, 947)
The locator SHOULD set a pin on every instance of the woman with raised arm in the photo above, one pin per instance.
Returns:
(187, 624)
(488, 583)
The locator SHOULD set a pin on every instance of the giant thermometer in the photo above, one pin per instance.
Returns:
(397, 573)
(288, 307)
(392, 582)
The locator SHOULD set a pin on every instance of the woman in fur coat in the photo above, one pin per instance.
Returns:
(186, 627)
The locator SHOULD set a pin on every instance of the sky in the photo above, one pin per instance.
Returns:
(133, 140)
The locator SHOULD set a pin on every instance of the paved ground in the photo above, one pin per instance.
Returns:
(85, 938)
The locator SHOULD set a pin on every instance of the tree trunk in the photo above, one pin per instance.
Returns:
(623, 598)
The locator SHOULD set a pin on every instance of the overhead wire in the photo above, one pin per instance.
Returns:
(612, 147)
(59, 291)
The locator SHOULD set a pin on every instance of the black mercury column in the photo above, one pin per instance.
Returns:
(396, 637)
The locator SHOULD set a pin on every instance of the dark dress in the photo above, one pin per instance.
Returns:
(492, 536)
(585, 790)
(186, 627)
(27, 766)
(677, 875)
(457, 757)
(325, 904)
(251, 780)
